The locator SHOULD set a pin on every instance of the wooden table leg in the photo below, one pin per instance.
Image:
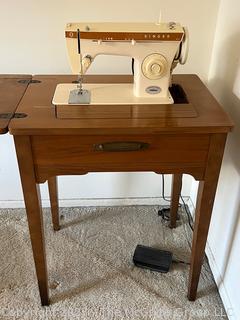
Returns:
(53, 195)
(176, 192)
(34, 212)
(205, 200)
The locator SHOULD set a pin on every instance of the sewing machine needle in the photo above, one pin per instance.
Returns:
(80, 77)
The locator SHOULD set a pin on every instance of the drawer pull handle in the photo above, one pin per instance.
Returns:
(121, 146)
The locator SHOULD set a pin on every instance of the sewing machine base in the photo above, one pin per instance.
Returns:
(114, 109)
(108, 94)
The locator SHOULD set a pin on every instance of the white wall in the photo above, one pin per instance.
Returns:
(224, 82)
(32, 41)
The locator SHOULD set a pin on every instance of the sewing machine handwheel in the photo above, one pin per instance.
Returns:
(185, 47)
(154, 66)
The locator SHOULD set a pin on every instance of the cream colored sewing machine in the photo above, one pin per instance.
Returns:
(155, 47)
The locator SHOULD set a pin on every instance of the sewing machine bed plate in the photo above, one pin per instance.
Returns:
(107, 94)
(116, 101)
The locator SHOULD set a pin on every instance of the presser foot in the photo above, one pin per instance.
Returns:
(77, 96)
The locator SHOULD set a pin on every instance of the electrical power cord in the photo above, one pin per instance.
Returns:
(163, 189)
(189, 216)
(163, 212)
(177, 261)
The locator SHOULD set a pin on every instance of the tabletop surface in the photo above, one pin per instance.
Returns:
(11, 92)
(41, 119)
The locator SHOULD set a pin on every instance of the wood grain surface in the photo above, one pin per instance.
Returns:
(11, 92)
(125, 111)
(41, 118)
(53, 195)
(64, 154)
(32, 198)
(175, 199)
(205, 200)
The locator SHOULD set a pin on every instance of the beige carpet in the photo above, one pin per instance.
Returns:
(91, 273)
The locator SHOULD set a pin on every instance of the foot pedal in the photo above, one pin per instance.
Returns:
(153, 259)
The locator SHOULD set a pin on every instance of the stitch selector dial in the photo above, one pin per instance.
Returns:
(154, 66)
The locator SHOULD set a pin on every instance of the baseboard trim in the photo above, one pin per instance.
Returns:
(216, 273)
(221, 288)
(92, 202)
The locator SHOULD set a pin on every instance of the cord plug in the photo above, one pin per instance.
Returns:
(164, 213)
(177, 261)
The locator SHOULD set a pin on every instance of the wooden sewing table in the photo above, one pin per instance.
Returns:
(163, 143)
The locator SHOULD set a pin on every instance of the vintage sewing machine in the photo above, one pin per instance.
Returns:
(156, 49)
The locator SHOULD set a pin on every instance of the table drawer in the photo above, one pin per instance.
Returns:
(75, 154)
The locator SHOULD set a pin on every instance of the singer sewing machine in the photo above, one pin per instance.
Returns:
(156, 49)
